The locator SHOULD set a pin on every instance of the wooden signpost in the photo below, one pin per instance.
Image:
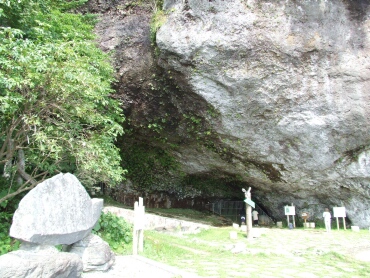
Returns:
(305, 216)
(139, 223)
(290, 210)
(340, 212)
(250, 203)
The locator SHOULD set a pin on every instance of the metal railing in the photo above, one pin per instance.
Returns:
(233, 210)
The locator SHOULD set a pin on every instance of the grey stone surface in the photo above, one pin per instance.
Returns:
(264, 220)
(95, 253)
(290, 80)
(282, 86)
(57, 211)
(42, 262)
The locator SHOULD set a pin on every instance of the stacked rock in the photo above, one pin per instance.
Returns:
(58, 211)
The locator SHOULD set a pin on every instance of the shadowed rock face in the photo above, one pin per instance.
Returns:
(283, 86)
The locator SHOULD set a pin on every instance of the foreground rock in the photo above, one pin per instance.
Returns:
(44, 261)
(57, 211)
(95, 253)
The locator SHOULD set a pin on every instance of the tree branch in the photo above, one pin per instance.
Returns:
(24, 187)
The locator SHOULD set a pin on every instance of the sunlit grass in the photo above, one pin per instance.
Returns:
(207, 254)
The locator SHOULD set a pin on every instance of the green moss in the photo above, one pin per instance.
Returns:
(216, 184)
(158, 19)
(148, 167)
(152, 169)
(354, 153)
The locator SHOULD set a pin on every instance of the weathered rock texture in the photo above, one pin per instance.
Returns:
(57, 211)
(95, 253)
(45, 261)
(277, 92)
(291, 81)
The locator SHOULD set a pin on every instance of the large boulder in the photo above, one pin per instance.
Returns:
(281, 87)
(40, 262)
(57, 211)
(95, 253)
(290, 81)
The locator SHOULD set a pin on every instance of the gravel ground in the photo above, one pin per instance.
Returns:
(138, 266)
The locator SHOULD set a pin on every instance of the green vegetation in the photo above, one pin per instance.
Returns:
(148, 167)
(158, 19)
(114, 230)
(7, 244)
(56, 113)
(277, 253)
(152, 169)
(7, 208)
(218, 184)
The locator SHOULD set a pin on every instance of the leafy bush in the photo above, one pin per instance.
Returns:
(56, 109)
(7, 208)
(7, 244)
(115, 230)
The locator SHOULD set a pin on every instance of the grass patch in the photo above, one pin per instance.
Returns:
(276, 253)
(208, 254)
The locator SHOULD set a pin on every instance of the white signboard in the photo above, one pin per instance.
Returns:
(339, 211)
(250, 202)
(289, 210)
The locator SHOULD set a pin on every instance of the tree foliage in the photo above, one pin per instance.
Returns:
(56, 112)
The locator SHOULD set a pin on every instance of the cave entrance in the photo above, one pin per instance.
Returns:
(233, 209)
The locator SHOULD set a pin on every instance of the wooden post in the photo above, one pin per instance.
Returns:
(304, 216)
(287, 220)
(344, 223)
(138, 236)
(248, 211)
(141, 231)
(135, 234)
(337, 223)
(249, 221)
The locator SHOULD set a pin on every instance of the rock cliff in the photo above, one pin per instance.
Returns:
(268, 94)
